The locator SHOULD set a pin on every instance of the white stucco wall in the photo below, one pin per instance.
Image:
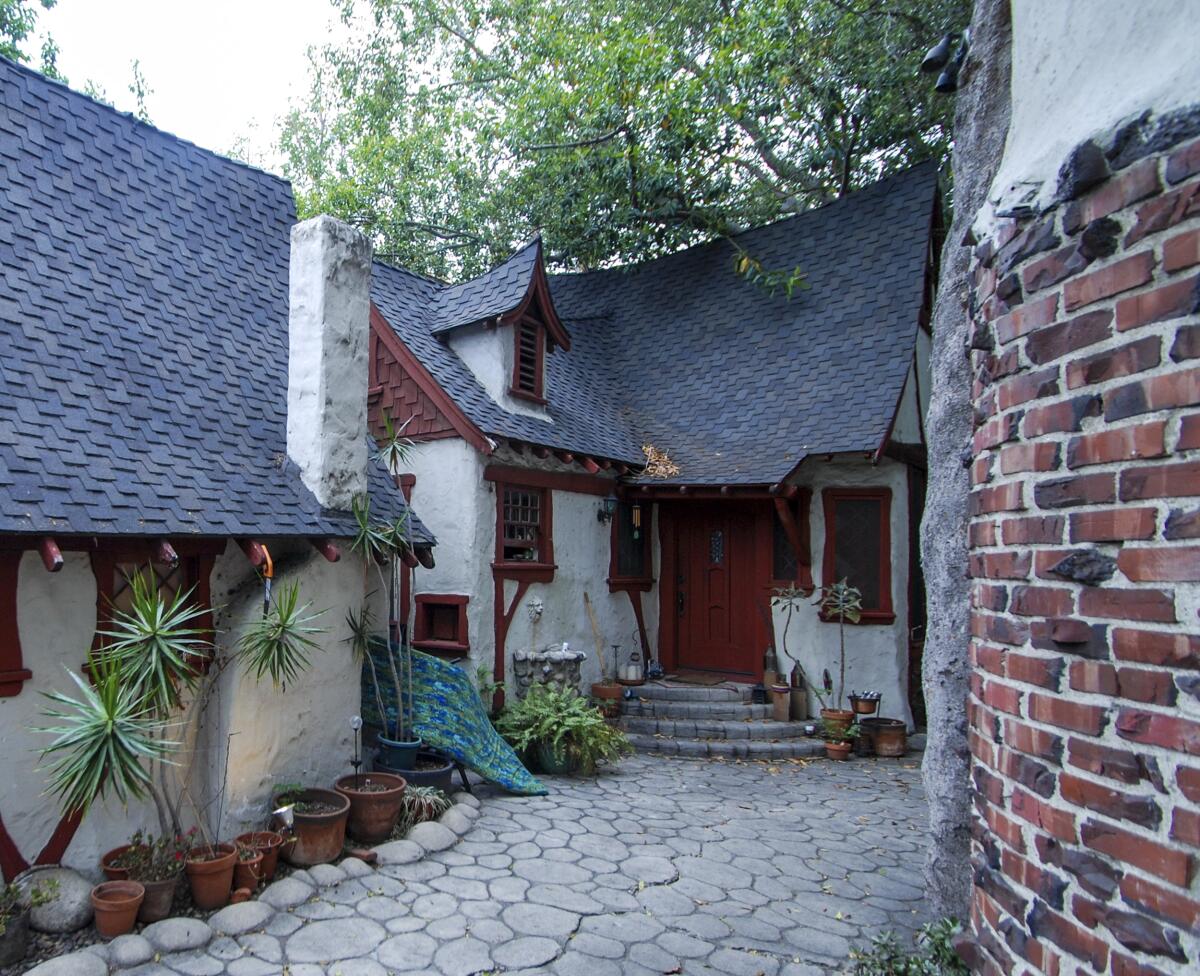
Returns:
(489, 353)
(876, 654)
(1059, 98)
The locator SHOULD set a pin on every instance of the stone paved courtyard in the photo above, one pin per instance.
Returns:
(659, 866)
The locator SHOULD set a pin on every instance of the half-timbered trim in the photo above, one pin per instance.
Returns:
(630, 565)
(13, 673)
(440, 626)
(791, 530)
(858, 547)
(583, 484)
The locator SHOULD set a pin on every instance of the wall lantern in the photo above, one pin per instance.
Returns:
(608, 508)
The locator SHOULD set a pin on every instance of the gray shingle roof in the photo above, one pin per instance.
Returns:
(500, 290)
(736, 385)
(143, 331)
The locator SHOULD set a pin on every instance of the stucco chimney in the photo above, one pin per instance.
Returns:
(330, 281)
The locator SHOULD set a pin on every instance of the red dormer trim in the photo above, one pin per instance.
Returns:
(538, 304)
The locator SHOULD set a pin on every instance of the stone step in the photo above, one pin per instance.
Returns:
(713, 728)
(659, 691)
(695, 710)
(727, 748)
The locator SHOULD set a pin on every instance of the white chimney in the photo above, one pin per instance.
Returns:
(328, 329)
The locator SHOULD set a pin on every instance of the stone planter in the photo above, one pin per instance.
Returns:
(839, 719)
(556, 762)
(210, 874)
(373, 812)
(319, 836)
(551, 666)
(396, 754)
(269, 843)
(160, 896)
(14, 942)
(608, 698)
(116, 904)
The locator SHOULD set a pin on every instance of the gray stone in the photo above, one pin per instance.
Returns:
(561, 896)
(178, 934)
(130, 950)
(526, 952)
(72, 964)
(70, 908)
(283, 925)
(407, 952)
(738, 962)
(432, 836)
(436, 905)
(356, 967)
(446, 929)
(467, 799)
(352, 867)
(455, 820)
(324, 875)
(193, 963)
(261, 946)
(243, 917)
(286, 893)
(652, 870)
(530, 919)
(249, 966)
(224, 947)
(463, 957)
(598, 945)
(334, 939)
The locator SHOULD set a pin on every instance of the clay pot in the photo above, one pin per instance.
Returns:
(111, 873)
(14, 940)
(116, 904)
(838, 750)
(863, 706)
(160, 896)
(269, 843)
(319, 836)
(889, 736)
(248, 873)
(437, 777)
(608, 697)
(838, 718)
(210, 874)
(373, 814)
(781, 702)
(397, 754)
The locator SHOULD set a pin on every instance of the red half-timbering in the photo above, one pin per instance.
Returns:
(13, 673)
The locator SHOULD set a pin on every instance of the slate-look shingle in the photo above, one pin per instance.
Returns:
(737, 385)
(143, 332)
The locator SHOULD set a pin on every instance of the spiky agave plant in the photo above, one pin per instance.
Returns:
(277, 644)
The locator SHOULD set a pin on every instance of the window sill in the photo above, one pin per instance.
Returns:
(526, 395)
(867, 617)
(535, 572)
(441, 646)
(617, 584)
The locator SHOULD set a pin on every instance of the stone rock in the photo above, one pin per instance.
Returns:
(353, 867)
(545, 920)
(286, 893)
(467, 799)
(526, 953)
(71, 907)
(463, 957)
(455, 820)
(1086, 167)
(178, 934)
(72, 964)
(1088, 566)
(432, 836)
(325, 875)
(652, 870)
(236, 919)
(399, 852)
(334, 939)
(130, 950)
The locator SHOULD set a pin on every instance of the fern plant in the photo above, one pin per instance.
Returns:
(566, 722)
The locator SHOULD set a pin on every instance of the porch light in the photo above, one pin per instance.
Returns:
(608, 508)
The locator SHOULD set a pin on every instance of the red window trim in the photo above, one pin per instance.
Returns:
(13, 673)
(645, 582)
(538, 393)
(582, 484)
(421, 639)
(800, 509)
(884, 614)
(542, 569)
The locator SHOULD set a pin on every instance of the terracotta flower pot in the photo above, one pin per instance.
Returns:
(838, 750)
(106, 864)
(160, 896)
(373, 812)
(269, 843)
(863, 706)
(889, 736)
(781, 702)
(320, 836)
(437, 774)
(839, 719)
(248, 873)
(210, 874)
(116, 904)
(14, 940)
(606, 689)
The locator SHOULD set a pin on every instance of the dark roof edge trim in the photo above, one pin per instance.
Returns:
(539, 290)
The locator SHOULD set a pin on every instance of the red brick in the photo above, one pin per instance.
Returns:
(1164, 863)
(1147, 604)
(1054, 820)
(1054, 341)
(1169, 301)
(1148, 686)
(1083, 489)
(1088, 719)
(1187, 344)
(1181, 251)
(1102, 760)
(1189, 433)
(1156, 729)
(1045, 672)
(1161, 481)
(1035, 742)
(986, 596)
(1181, 389)
(1164, 211)
(1120, 444)
(994, 433)
(1141, 810)
(1185, 826)
(1002, 498)
(1041, 529)
(1000, 565)
(1179, 909)
(1114, 363)
(1002, 697)
(1053, 268)
(981, 470)
(982, 534)
(1113, 524)
(1029, 457)
(1093, 677)
(1170, 563)
(1007, 829)
(1001, 630)
(1187, 778)
(1056, 418)
(1129, 186)
(1155, 647)
(1183, 162)
(1125, 966)
(1025, 318)
(1130, 272)
(1042, 601)
(985, 657)
(1067, 935)
(1028, 772)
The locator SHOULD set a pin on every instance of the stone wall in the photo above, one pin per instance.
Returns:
(1084, 705)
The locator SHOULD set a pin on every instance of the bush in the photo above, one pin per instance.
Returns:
(566, 722)
(934, 955)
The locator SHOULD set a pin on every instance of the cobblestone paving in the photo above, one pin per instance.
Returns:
(660, 866)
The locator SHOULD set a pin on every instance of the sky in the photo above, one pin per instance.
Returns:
(220, 72)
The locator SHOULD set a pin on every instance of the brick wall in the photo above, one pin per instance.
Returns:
(1085, 565)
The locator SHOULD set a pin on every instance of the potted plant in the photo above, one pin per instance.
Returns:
(839, 739)
(865, 703)
(842, 602)
(562, 729)
(318, 820)
(210, 874)
(888, 736)
(247, 870)
(420, 803)
(375, 800)
(268, 843)
(157, 863)
(116, 905)
(15, 905)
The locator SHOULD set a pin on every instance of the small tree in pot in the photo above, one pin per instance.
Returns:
(842, 602)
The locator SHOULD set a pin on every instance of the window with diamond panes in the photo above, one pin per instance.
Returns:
(168, 579)
(784, 565)
(522, 523)
(858, 546)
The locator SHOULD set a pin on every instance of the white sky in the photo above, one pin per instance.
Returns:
(219, 71)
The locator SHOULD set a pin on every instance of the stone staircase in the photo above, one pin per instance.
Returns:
(699, 721)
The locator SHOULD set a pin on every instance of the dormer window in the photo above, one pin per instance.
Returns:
(529, 360)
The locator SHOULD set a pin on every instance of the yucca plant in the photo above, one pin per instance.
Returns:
(394, 448)
(276, 645)
(842, 601)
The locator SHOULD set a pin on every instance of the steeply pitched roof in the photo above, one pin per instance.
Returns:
(500, 290)
(736, 385)
(143, 331)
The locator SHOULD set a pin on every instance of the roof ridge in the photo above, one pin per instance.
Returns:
(129, 116)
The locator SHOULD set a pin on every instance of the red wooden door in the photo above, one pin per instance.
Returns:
(715, 590)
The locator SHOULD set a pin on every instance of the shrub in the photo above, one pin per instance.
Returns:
(934, 954)
(564, 721)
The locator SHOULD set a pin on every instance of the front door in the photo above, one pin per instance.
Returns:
(714, 593)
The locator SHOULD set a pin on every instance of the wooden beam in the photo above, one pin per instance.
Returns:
(164, 552)
(255, 551)
(583, 484)
(590, 466)
(327, 548)
(541, 452)
(565, 456)
(425, 556)
(52, 557)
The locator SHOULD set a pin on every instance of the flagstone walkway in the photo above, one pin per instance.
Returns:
(660, 866)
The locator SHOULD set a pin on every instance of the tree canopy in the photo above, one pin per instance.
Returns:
(18, 20)
(452, 130)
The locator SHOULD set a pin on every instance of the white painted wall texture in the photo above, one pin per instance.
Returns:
(489, 354)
